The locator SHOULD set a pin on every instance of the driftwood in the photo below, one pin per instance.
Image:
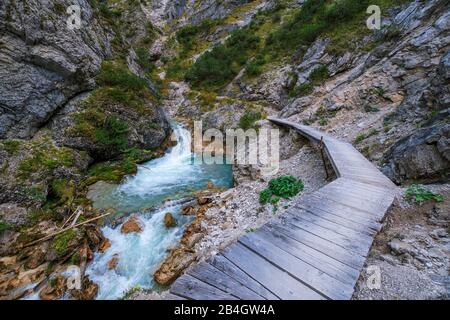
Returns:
(66, 229)
(74, 221)
(76, 212)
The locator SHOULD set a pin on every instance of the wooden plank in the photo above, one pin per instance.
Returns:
(338, 220)
(276, 280)
(328, 235)
(303, 272)
(370, 180)
(361, 185)
(346, 199)
(305, 219)
(191, 288)
(227, 267)
(379, 198)
(216, 278)
(330, 266)
(354, 232)
(315, 201)
(324, 246)
(170, 296)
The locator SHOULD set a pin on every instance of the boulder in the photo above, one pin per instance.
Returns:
(49, 63)
(105, 245)
(132, 225)
(54, 289)
(173, 266)
(423, 156)
(169, 220)
(112, 264)
(13, 214)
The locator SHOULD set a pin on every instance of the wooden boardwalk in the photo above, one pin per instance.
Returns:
(316, 250)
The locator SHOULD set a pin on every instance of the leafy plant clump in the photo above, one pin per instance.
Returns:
(247, 121)
(284, 187)
(419, 194)
(220, 65)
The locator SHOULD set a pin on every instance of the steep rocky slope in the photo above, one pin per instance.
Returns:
(86, 105)
(76, 106)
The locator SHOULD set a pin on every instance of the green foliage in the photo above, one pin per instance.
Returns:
(61, 242)
(314, 18)
(4, 226)
(363, 135)
(130, 292)
(113, 74)
(44, 158)
(283, 187)
(248, 119)
(418, 193)
(115, 171)
(113, 133)
(319, 74)
(301, 90)
(11, 146)
(316, 77)
(254, 67)
(220, 65)
(371, 109)
(144, 60)
(343, 10)
(187, 36)
(61, 191)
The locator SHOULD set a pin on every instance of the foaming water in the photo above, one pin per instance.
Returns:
(173, 176)
(139, 254)
(170, 177)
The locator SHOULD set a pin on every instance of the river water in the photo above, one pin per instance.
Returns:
(173, 176)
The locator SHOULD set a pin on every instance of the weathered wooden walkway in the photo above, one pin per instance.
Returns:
(316, 250)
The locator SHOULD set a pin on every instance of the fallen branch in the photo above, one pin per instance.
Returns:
(66, 229)
(70, 217)
(74, 221)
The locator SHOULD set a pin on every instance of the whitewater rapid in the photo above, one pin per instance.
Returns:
(173, 176)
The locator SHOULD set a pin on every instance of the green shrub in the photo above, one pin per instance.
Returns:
(363, 136)
(220, 65)
(11, 146)
(112, 133)
(313, 19)
(144, 60)
(187, 35)
(418, 193)
(113, 73)
(248, 119)
(319, 74)
(301, 90)
(283, 187)
(343, 10)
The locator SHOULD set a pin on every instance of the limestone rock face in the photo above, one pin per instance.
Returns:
(424, 155)
(44, 64)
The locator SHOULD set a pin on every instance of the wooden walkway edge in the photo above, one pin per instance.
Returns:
(314, 251)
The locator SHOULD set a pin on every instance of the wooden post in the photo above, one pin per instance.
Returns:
(321, 144)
